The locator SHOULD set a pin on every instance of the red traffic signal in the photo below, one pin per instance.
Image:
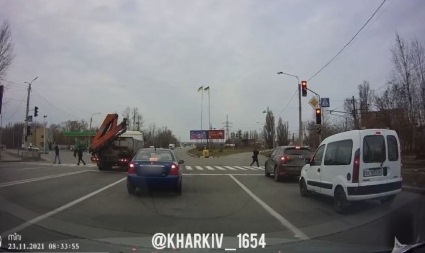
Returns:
(304, 88)
(319, 116)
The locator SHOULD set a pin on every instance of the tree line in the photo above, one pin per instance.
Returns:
(399, 104)
(12, 134)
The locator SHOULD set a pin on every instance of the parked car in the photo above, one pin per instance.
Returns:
(32, 148)
(355, 165)
(152, 167)
(286, 161)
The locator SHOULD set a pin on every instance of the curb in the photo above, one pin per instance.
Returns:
(414, 189)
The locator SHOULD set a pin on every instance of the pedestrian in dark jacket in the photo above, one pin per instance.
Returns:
(57, 154)
(255, 157)
(79, 151)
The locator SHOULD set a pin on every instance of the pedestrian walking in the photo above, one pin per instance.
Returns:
(255, 157)
(57, 154)
(79, 152)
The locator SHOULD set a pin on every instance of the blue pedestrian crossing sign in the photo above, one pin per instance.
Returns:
(324, 102)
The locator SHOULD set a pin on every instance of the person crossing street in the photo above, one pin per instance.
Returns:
(79, 152)
(255, 157)
(57, 154)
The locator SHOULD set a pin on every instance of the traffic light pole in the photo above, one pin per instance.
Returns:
(320, 132)
(27, 112)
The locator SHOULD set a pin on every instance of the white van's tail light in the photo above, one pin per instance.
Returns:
(356, 166)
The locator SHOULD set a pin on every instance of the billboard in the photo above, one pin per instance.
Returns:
(216, 134)
(198, 134)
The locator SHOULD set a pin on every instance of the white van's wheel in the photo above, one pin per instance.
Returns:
(340, 200)
(303, 188)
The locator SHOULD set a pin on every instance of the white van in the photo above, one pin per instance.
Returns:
(355, 165)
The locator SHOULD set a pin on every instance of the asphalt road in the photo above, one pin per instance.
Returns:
(62, 207)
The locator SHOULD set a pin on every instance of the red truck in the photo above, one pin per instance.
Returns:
(113, 145)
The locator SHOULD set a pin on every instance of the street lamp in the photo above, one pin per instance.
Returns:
(91, 119)
(44, 135)
(209, 115)
(300, 128)
(26, 113)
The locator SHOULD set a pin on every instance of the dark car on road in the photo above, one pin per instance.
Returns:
(287, 161)
(154, 168)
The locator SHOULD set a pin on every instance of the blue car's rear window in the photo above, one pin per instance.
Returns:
(154, 155)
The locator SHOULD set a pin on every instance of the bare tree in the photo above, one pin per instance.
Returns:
(366, 99)
(6, 49)
(402, 75)
(418, 57)
(74, 125)
(282, 131)
(126, 114)
(269, 129)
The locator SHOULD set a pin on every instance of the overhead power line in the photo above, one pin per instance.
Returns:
(342, 49)
(54, 106)
(286, 106)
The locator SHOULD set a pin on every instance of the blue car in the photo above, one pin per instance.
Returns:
(154, 167)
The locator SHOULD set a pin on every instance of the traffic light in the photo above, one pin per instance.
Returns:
(319, 116)
(35, 111)
(304, 88)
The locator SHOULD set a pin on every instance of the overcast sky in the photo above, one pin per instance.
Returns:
(102, 56)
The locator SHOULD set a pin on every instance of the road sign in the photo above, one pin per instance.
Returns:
(314, 102)
(29, 118)
(324, 102)
(198, 134)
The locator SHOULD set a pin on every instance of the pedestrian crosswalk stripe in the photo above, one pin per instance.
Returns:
(199, 168)
(189, 167)
(220, 168)
(254, 168)
(230, 168)
(239, 167)
(209, 168)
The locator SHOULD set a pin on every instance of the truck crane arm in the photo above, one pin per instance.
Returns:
(108, 132)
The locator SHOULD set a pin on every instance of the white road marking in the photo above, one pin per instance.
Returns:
(59, 209)
(220, 168)
(298, 233)
(189, 167)
(32, 168)
(199, 168)
(252, 168)
(209, 168)
(24, 181)
(239, 167)
(229, 167)
(221, 174)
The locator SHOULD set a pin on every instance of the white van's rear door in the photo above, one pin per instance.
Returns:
(380, 157)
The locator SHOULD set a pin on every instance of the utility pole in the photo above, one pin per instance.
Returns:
(227, 126)
(300, 126)
(44, 135)
(356, 124)
(27, 112)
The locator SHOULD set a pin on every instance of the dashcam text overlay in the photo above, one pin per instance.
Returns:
(205, 241)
